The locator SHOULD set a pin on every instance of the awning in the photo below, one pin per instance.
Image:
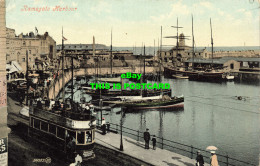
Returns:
(13, 67)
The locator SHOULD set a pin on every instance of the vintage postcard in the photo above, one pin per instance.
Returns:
(129, 82)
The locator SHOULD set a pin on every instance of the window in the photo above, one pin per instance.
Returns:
(89, 136)
(71, 133)
(44, 126)
(30, 51)
(23, 59)
(31, 122)
(52, 129)
(24, 43)
(80, 137)
(36, 124)
(60, 132)
(231, 66)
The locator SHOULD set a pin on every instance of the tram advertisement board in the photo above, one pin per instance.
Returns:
(3, 151)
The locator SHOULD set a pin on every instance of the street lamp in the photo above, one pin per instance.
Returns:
(121, 133)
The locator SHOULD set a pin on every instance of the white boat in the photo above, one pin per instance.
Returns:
(229, 77)
(130, 98)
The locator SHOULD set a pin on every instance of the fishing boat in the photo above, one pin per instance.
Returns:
(165, 102)
(95, 93)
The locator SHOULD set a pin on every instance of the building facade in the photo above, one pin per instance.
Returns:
(39, 48)
(4, 130)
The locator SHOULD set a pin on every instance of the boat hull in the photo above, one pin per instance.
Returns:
(196, 75)
(178, 103)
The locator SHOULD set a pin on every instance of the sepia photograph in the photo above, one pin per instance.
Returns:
(129, 83)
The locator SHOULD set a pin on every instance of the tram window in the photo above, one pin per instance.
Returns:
(80, 137)
(31, 122)
(36, 123)
(44, 126)
(72, 133)
(52, 129)
(88, 136)
(60, 132)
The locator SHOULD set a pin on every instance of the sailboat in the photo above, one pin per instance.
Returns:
(210, 74)
(176, 71)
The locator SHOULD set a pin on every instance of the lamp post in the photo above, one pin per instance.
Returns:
(121, 133)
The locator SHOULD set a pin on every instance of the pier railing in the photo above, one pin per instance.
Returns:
(180, 148)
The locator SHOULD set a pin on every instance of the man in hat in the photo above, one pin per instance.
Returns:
(213, 159)
(147, 138)
(199, 159)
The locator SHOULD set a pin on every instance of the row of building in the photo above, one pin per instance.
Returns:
(43, 52)
(179, 55)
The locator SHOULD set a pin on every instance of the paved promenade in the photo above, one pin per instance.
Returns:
(133, 148)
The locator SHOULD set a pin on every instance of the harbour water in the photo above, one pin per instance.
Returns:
(212, 115)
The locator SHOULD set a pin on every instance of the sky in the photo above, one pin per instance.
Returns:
(133, 22)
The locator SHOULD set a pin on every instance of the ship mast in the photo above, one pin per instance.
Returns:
(111, 56)
(63, 81)
(192, 45)
(145, 94)
(211, 44)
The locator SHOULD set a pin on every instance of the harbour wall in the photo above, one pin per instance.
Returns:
(56, 85)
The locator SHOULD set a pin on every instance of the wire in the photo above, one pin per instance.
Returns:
(223, 100)
(224, 107)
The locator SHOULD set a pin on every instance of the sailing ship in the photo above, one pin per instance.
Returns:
(209, 74)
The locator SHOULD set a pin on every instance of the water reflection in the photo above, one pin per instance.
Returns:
(212, 115)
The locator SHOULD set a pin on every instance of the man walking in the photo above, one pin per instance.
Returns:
(199, 159)
(147, 138)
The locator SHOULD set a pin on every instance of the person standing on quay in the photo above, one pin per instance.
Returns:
(147, 138)
(199, 159)
(213, 159)
(154, 142)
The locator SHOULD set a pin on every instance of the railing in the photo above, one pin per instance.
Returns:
(186, 150)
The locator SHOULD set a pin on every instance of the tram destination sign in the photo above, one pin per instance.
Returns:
(3, 151)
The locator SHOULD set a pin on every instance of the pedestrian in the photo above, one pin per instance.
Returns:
(199, 159)
(147, 138)
(213, 159)
(108, 126)
(154, 142)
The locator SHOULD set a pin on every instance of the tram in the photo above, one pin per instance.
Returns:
(69, 131)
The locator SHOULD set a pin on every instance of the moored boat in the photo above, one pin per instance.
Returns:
(165, 102)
